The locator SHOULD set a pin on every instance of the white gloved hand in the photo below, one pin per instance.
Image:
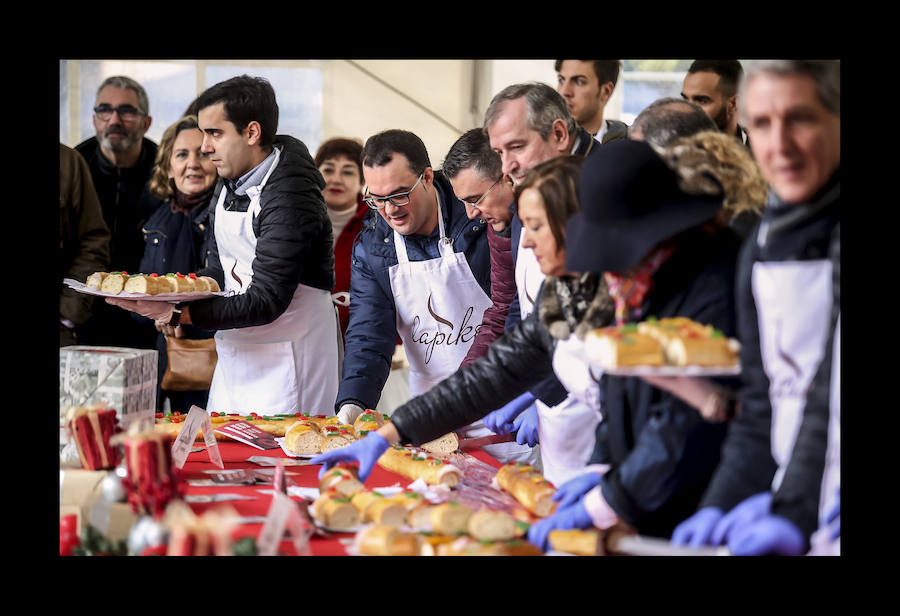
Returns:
(349, 413)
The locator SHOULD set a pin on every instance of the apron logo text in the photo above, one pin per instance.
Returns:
(429, 338)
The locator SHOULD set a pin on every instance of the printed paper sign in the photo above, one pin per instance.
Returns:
(197, 420)
(284, 515)
(249, 434)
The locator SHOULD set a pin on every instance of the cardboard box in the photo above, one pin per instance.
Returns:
(80, 492)
(123, 378)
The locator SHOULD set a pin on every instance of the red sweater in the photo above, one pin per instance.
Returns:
(343, 251)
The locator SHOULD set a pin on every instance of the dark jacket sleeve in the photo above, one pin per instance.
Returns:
(84, 236)
(291, 228)
(503, 289)
(747, 466)
(798, 496)
(514, 362)
(371, 332)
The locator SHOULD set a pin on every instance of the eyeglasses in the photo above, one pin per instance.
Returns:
(397, 199)
(126, 112)
(481, 198)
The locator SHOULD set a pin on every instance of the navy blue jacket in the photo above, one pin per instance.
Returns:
(661, 451)
(372, 330)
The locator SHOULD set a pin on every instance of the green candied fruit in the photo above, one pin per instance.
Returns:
(630, 327)
(170, 275)
(523, 525)
(437, 461)
(651, 319)
(717, 334)
(340, 499)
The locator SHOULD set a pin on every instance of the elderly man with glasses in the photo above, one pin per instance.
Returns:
(121, 160)
(420, 271)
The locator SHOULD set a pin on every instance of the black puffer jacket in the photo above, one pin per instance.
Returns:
(294, 245)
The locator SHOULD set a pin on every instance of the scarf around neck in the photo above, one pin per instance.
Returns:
(629, 289)
(575, 305)
(181, 202)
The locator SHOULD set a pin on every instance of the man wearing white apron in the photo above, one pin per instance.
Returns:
(780, 469)
(434, 300)
(277, 339)
(522, 145)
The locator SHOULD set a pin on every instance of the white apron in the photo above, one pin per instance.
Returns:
(566, 431)
(288, 365)
(821, 543)
(439, 306)
(792, 333)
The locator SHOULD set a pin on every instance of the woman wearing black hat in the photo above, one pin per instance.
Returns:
(636, 222)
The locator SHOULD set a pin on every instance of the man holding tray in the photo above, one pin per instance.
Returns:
(271, 251)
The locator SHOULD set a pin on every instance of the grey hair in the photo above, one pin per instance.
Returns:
(544, 104)
(473, 150)
(666, 119)
(127, 83)
(826, 74)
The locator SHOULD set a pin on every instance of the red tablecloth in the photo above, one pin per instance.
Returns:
(234, 455)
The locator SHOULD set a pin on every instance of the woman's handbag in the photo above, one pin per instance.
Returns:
(190, 364)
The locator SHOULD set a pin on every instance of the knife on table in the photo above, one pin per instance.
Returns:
(481, 441)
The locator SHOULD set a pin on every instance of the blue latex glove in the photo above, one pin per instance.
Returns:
(526, 427)
(770, 534)
(697, 529)
(574, 489)
(834, 518)
(501, 420)
(366, 451)
(744, 513)
(575, 516)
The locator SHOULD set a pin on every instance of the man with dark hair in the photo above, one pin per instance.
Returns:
(587, 86)
(474, 171)
(713, 85)
(420, 271)
(271, 250)
(121, 160)
(667, 119)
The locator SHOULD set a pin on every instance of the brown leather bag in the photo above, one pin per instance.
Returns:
(190, 364)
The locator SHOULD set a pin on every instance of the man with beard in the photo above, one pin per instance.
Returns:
(121, 160)
(713, 84)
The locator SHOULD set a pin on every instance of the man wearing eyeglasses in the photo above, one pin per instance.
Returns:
(420, 270)
(121, 160)
(475, 173)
